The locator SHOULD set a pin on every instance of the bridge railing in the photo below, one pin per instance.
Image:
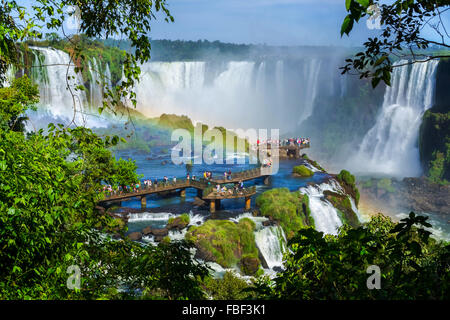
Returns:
(183, 182)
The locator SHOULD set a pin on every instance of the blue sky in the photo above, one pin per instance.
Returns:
(275, 22)
(272, 22)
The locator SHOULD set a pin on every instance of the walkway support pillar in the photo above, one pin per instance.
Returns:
(199, 193)
(143, 202)
(247, 203)
(266, 180)
(212, 206)
(183, 193)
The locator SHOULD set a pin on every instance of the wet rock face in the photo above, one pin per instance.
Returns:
(160, 232)
(249, 265)
(147, 231)
(415, 194)
(204, 255)
(135, 236)
(177, 224)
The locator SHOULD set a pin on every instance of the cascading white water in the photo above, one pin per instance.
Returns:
(60, 99)
(108, 79)
(58, 92)
(264, 94)
(271, 242)
(95, 85)
(310, 86)
(390, 146)
(325, 216)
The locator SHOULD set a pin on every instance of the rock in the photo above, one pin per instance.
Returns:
(147, 230)
(177, 224)
(135, 236)
(100, 209)
(277, 269)
(249, 265)
(164, 162)
(198, 202)
(160, 232)
(267, 223)
(116, 236)
(204, 255)
(158, 238)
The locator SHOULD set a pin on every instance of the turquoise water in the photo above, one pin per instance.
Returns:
(151, 167)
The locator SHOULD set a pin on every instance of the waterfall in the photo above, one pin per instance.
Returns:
(59, 98)
(271, 243)
(95, 84)
(390, 146)
(325, 215)
(310, 86)
(261, 79)
(108, 78)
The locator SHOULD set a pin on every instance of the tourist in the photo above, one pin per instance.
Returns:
(174, 180)
(229, 174)
(188, 177)
(218, 188)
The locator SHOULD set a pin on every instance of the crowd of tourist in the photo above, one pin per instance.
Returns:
(166, 181)
(285, 142)
(238, 188)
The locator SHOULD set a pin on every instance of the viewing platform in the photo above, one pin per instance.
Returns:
(206, 189)
(289, 151)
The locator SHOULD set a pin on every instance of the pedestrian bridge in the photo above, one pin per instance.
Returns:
(206, 189)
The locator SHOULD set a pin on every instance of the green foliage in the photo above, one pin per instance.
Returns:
(413, 265)
(15, 101)
(385, 184)
(48, 219)
(127, 18)
(224, 241)
(349, 183)
(173, 121)
(291, 209)
(343, 205)
(434, 140)
(438, 167)
(230, 287)
(401, 35)
(303, 171)
(179, 220)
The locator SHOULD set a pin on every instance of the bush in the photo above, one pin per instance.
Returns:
(303, 171)
(291, 209)
(348, 182)
(230, 287)
(224, 241)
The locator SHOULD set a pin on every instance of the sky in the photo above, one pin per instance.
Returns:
(272, 22)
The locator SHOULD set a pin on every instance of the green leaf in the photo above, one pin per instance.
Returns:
(347, 4)
(364, 3)
(347, 25)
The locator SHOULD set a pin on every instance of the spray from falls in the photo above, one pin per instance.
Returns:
(390, 147)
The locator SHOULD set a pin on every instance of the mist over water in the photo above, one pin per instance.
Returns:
(268, 94)
(276, 92)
